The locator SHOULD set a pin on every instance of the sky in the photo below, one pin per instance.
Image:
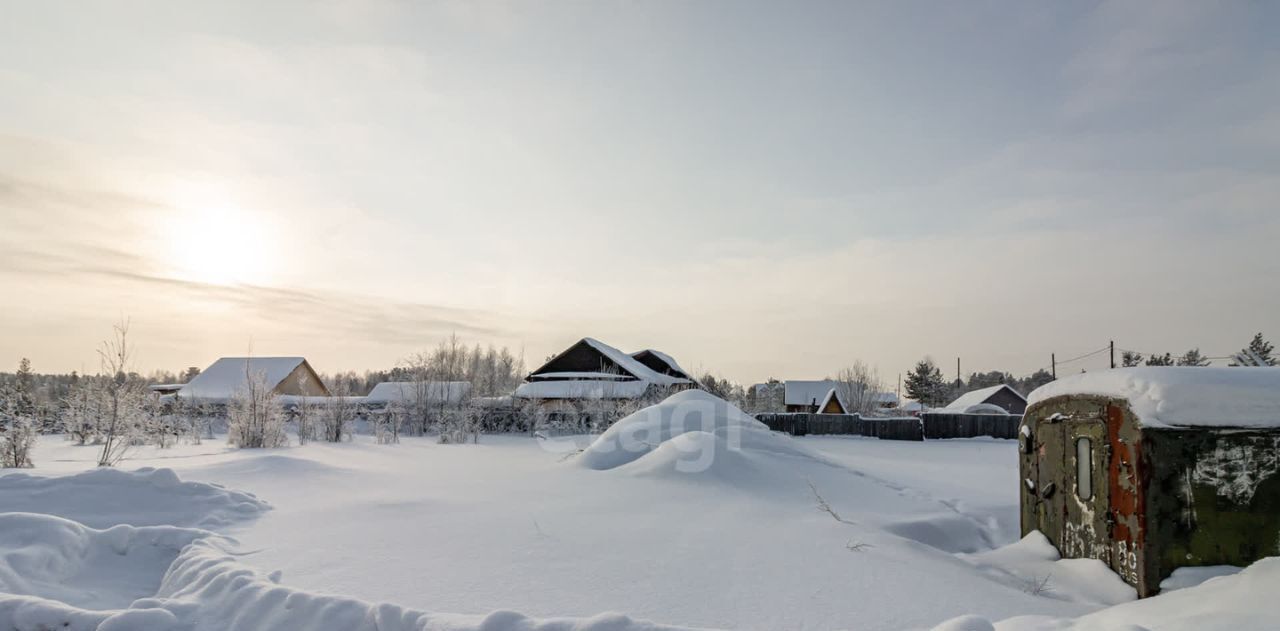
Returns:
(761, 189)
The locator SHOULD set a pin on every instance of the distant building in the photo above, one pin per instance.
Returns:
(161, 389)
(987, 400)
(809, 395)
(441, 393)
(220, 382)
(593, 370)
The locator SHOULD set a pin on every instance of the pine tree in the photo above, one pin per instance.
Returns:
(1160, 360)
(1193, 358)
(925, 383)
(1261, 349)
(1129, 359)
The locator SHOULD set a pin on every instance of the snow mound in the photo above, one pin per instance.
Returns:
(689, 432)
(1182, 396)
(105, 497)
(52, 557)
(207, 589)
(1034, 565)
(1241, 601)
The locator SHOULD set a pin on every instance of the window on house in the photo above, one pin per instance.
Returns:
(1084, 468)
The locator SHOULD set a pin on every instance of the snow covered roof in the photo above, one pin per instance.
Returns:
(408, 392)
(978, 397)
(224, 377)
(801, 392)
(632, 365)
(811, 392)
(1182, 396)
(664, 358)
(605, 376)
(581, 389)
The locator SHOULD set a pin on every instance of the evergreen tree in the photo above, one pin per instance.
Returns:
(926, 384)
(1160, 360)
(1261, 349)
(1193, 358)
(1129, 359)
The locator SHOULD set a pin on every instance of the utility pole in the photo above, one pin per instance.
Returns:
(1113, 353)
(1053, 361)
(957, 370)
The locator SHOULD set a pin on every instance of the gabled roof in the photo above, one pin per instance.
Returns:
(976, 397)
(834, 393)
(408, 392)
(222, 379)
(661, 362)
(628, 364)
(806, 392)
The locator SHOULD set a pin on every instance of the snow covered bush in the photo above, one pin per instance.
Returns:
(386, 426)
(254, 416)
(17, 438)
(337, 414)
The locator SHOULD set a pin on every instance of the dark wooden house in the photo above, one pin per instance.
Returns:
(1152, 469)
(593, 370)
(980, 401)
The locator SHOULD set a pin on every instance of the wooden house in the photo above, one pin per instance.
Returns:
(289, 376)
(810, 396)
(986, 400)
(593, 370)
(1155, 468)
(833, 403)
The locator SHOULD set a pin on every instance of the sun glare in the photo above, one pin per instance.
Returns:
(221, 244)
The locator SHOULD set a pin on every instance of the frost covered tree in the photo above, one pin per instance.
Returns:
(337, 413)
(1129, 359)
(18, 425)
(860, 386)
(1160, 360)
(386, 426)
(1193, 358)
(254, 416)
(925, 383)
(1258, 351)
(122, 396)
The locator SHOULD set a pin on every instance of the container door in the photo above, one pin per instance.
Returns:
(1086, 525)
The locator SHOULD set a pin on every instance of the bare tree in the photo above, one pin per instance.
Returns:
(859, 385)
(254, 416)
(338, 412)
(122, 396)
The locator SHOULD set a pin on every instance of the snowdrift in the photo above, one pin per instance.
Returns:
(206, 589)
(689, 432)
(52, 557)
(105, 497)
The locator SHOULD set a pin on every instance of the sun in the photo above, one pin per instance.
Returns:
(219, 243)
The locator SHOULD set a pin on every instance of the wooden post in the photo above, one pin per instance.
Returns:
(1053, 361)
(1113, 353)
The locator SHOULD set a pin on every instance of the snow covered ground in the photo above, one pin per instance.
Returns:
(517, 525)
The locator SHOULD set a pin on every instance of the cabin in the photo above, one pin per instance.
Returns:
(288, 376)
(1154, 468)
(433, 393)
(593, 370)
(998, 399)
(809, 396)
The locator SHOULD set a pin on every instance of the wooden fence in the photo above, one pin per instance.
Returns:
(849, 424)
(943, 425)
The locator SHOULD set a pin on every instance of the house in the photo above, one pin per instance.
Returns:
(162, 389)
(1000, 399)
(593, 370)
(1154, 468)
(807, 396)
(219, 383)
(438, 393)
